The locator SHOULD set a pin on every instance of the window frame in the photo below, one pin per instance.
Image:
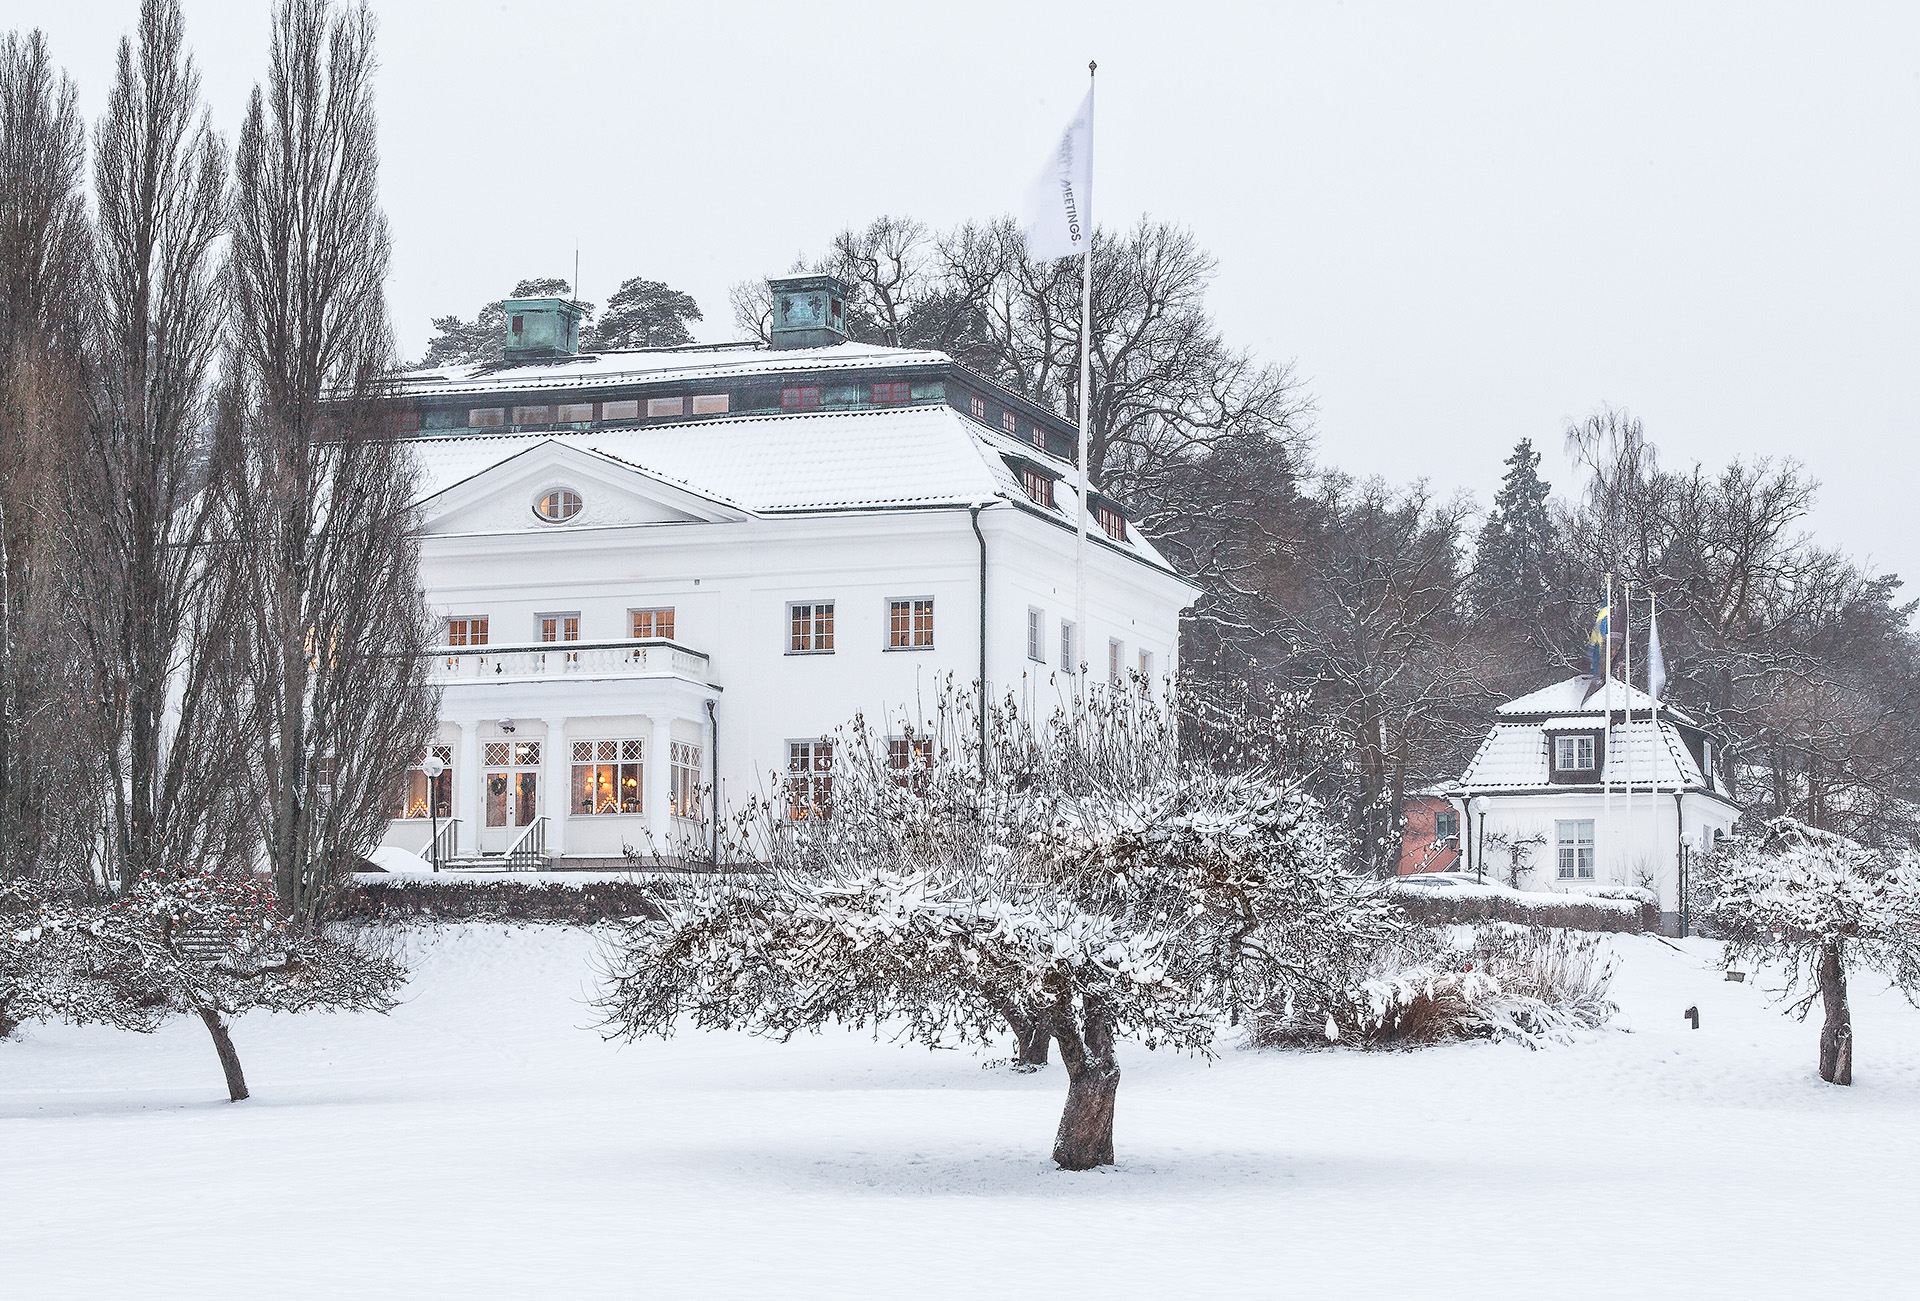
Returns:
(811, 780)
(564, 494)
(617, 765)
(1585, 746)
(800, 397)
(431, 790)
(1116, 660)
(1452, 820)
(1069, 647)
(566, 627)
(686, 796)
(911, 629)
(1565, 844)
(1112, 522)
(814, 634)
(654, 614)
(468, 639)
(1010, 423)
(977, 408)
(1038, 486)
(902, 388)
(1036, 634)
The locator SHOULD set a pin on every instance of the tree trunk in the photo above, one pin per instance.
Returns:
(1085, 1138)
(229, 1058)
(1032, 1039)
(1836, 1036)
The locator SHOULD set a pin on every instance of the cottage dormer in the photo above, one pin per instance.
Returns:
(1576, 750)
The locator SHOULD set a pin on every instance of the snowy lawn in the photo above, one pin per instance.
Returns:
(479, 1142)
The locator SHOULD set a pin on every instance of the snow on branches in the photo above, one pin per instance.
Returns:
(1816, 903)
(1082, 885)
(211, 944)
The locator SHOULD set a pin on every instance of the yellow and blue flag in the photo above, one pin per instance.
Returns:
(1599, 638)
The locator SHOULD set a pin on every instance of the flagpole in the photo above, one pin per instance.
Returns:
(1086, 394)
(1626, 867)
(1606, 759)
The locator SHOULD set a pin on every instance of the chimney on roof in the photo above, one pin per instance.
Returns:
(808, 312)
(540, 328)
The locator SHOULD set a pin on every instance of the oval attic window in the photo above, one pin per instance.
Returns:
(557, 505)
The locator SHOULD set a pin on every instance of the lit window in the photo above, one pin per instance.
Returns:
(620, 410)
(420, 798)
(1112, 522)
(684, 780)
(1573, 753)
(809, 779)
(710, 404)
(560, 627)
(533, 415)
(978, 407)
(653, 625)
(810, 628)
(657, 407)
(467, 632)
(1115, 655)
(1038, 486)
(1574, 842)
(575, 413)
(1066, 646)
(910, 760)
(891, 394)
(487, 418)
(512, 782)
(909, 624)
(1036, 642)
(1008, 423)
(557, 505)
(796, 398)
(607, 776)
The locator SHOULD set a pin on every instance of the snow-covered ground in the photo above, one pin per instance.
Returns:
(480, 1143)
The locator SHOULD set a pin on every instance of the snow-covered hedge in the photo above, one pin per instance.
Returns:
(583, 902)
(1439, 901)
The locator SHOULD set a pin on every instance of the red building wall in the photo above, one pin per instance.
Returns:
(1421, 844)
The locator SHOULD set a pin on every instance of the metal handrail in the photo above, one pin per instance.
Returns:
(528, 853)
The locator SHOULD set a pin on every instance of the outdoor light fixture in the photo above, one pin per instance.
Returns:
(433, 767)
(1478, 806)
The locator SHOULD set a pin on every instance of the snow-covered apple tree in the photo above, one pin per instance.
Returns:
(209, 944)
(1818, 905)
(1082, 885)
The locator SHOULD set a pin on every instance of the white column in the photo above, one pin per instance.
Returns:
(557, 775)
(466, 786)
(658, 768)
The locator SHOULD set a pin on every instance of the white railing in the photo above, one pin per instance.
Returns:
(590, 659)
(443, 845)
(528, 853)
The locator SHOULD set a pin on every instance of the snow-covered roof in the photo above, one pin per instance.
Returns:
(1582, 696)
(792, 462)
(650, 366)
(1514, 757)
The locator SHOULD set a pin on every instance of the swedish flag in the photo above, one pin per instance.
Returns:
(1598, 639)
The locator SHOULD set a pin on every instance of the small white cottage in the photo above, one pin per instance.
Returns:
(1573, 791)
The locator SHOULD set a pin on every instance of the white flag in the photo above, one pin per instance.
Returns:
(1059, 218)
(1656, 662)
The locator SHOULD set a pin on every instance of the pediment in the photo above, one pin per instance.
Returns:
(501, 498)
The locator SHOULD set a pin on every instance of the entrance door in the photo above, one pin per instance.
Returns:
(510, 795)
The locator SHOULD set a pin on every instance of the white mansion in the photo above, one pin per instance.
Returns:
(664, 574)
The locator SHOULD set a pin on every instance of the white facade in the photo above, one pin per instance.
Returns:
(728, 524)
(1592, 797)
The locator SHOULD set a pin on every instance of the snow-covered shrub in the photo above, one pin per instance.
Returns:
(1531, 985)
(1815, 903)
(400, 899)
(1083, 885)
(210, 944)
(1462, 901)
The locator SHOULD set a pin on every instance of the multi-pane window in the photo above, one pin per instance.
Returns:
(978, 406)
(1038, 486)
(557, 505)
(710, 404)
(421, 798)
(560, 627)
(1008, 423)
(1446, 826)
(810, 627)
(910, 624)
(1146, 665)
(809, 779)
(487, 418)
(1112, 522)
(891, 394)
(1116, 655)
(684, 779)
(467, 632)
(607, 776)
(792, 399)
(620, 410)
(409, 421)
(1066, 646)
(658, 407)
(512, 782)
(1573, 840)
(1573, 753)
(649, 625)
(541, 415)
(910, 760)
(575, 413)
(1036, 635)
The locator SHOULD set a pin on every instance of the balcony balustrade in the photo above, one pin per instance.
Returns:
(568, 659)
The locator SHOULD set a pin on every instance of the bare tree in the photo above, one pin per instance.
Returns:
(317, 494)
(47, 813)
(155, 628)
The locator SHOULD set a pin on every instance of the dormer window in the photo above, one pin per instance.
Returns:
(557, 505)
(1573, 753)
(1112, 522)
(1038, 486)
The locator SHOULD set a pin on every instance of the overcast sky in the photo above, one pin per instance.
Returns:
(1463, 224)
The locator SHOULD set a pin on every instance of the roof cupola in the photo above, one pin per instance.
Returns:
(541, 328)
(808, 312)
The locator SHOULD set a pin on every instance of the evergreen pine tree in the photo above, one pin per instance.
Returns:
(458, 342)
(643, 314)
(1511, 579)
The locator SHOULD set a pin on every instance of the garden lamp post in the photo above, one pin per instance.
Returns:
(433, 767)
(1478, 807)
